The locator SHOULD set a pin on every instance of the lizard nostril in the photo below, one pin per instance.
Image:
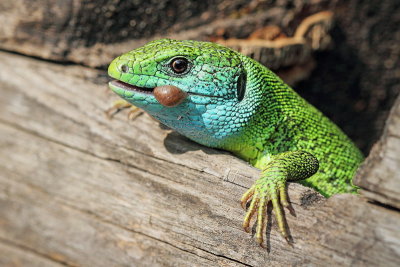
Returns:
(124, 68)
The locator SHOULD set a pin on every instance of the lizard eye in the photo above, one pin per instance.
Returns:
(179, 65)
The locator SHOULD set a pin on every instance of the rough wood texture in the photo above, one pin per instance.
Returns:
(278, 50)
(380, 176)
(78, 189)
(92, 32)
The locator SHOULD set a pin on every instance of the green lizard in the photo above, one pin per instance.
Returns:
(229, 101)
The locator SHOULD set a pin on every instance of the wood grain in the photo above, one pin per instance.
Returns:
(77, 189)
(380, 176)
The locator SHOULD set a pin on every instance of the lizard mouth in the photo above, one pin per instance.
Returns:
(130, 87)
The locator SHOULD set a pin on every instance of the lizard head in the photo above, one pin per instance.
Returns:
(212, 78)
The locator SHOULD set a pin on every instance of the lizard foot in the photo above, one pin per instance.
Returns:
(119, 105)
(266, 189)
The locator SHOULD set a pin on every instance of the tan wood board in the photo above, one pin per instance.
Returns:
(79, 189)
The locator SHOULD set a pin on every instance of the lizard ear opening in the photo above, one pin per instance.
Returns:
(241, 86)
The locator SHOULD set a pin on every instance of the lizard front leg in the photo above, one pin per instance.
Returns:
(271, 187)
(119, 105)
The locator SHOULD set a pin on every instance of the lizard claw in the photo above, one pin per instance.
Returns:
(246, 196)
(261, 193)
(119, 105)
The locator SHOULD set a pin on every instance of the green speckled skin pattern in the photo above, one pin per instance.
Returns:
(269, 125)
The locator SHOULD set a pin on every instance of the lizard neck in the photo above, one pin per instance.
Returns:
(276, 109)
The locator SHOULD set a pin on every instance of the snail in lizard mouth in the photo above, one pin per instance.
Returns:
(169, 95)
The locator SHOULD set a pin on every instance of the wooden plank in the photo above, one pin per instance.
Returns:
(12, 255)
(79, 189)
(380, 177)
(50, 224)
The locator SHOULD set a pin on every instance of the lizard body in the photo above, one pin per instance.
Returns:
(236, 104)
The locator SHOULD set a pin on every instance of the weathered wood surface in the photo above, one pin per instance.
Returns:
(380, 176)
(78, 189)
(92, 32)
